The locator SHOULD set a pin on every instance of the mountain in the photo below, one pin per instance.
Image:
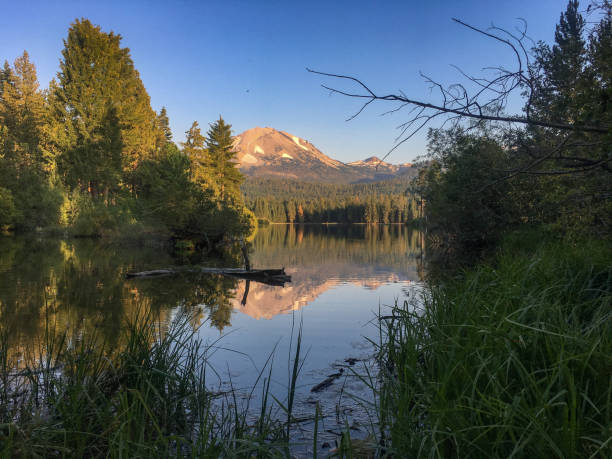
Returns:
(265, 301)
(374, 162)
(266, 152)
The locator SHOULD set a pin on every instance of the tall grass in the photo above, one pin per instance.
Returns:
(508, 360)
(149, 399)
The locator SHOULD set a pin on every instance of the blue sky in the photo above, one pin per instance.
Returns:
(246, 60)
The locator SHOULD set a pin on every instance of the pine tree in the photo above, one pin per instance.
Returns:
(290, 209)
(195, 149)
(560, 92)
(222, 155)
(573, 87)
(106, 123)
(25, 165)
(6, 80)
(600, 53)
(6, 75)
(22, 113)
(164, 133)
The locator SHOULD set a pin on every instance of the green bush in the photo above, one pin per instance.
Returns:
(468, 207)
(86, 217)
(37, 203)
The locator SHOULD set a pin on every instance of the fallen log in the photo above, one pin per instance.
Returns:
(276, 277)
(153, 273)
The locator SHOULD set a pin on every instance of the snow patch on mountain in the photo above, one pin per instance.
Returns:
(259, 150)
(297, 142)
(285, 155)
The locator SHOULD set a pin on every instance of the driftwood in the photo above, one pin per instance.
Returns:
(153, 273)
(327, 382)
(265, 276)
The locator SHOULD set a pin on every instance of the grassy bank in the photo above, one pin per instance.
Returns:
(510, 359)
(148, 399)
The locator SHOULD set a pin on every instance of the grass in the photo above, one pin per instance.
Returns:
(147, 400)
(513, 359)
(510, 359)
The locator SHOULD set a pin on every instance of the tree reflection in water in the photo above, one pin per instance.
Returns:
(78, 286)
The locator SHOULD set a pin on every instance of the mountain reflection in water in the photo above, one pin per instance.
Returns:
(319, 258)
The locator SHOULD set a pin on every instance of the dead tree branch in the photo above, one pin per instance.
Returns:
(486, 103)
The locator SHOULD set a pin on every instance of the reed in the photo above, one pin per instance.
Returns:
(148, 399)
(513, 359)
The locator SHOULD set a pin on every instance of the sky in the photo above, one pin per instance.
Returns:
(247, 60)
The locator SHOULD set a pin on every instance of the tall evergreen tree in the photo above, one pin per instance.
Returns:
(103, 110)
(222, 155)
(195, 149)
(164, 124)
(22, 113)
(600, 56)
(164, 134)
(574, 86)
(560, 93)
(25, 165)
(6, 75)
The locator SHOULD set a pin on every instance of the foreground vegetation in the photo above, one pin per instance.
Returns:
(147, 398)
(511, 355)
(510, 359)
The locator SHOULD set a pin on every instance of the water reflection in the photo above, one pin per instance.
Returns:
(80, 285)
(340, 275)
(320, 257)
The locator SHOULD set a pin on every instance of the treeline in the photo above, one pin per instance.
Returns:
(487, 179)
(90, 155)
(289, 201)
(254, 187)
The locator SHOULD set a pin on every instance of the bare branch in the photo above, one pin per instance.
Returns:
(483, 99)
(461, 111)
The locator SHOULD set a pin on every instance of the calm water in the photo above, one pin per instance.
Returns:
(341, 275)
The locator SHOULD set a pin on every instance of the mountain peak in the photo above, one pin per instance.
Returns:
(268, 152)
(372, 159)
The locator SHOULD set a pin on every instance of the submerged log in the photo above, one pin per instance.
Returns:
(266, 276)
(327, 382)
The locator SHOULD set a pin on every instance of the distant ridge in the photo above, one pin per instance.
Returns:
(267, 152)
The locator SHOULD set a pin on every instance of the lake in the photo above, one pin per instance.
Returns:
(341, 277)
